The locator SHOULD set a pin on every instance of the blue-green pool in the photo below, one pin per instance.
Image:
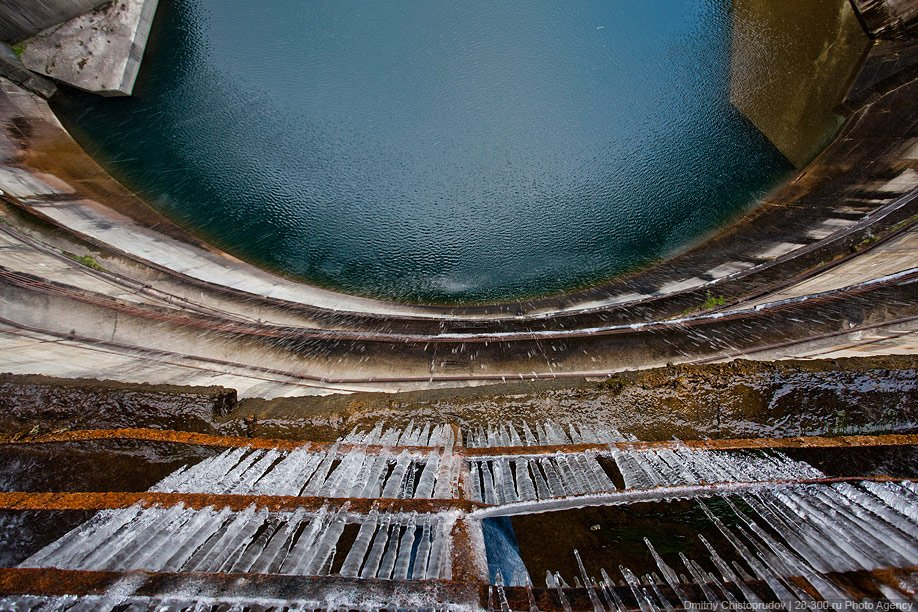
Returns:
(432, 150)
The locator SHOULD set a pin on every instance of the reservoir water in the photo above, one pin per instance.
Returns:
(436, 151)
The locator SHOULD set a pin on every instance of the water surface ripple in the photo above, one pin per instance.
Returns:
(428, 150)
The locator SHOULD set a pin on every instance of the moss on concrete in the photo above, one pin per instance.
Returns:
(87, 260)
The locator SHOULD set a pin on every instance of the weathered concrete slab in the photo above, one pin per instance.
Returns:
(896, 339)
(37, 353)
(22, 18)
(896, 255)
(99, 51)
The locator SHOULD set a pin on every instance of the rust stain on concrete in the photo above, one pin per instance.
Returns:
(202, 439)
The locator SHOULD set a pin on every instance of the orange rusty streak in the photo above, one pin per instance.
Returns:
(52, 581)
(113, 500)
(201, 439)
(723, 444)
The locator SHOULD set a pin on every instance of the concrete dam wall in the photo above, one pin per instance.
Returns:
(832, 248)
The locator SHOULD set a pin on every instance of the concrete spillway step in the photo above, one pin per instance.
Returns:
(540, 434)
(136, 591)
(384, 507)
(422, 434)
(354, 473)
(516, 479)
(505, 480)
(254, 541)
(681, 465)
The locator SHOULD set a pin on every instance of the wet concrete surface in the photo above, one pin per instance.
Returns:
(22, 533)
(720, 400)
(109, 465)
(731, 400)
(52, 404)
(737, 399)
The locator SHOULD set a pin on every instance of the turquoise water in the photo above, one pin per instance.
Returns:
(436, 151)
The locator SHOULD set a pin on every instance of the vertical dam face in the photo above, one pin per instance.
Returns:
(441, 154)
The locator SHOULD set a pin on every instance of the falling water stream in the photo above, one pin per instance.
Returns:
(785, 538)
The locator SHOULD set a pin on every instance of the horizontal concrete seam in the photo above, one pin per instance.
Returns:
(306, 380)
(868, 220)
(120, 280)
(300, 380)
(826, 267)
(708, 444)
(64, 501)
(770, 347)
(110, 500)
(56, 581)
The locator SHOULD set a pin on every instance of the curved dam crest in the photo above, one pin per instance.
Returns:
(384, 153)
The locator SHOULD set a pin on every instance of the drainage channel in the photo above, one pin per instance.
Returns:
(406, 517)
